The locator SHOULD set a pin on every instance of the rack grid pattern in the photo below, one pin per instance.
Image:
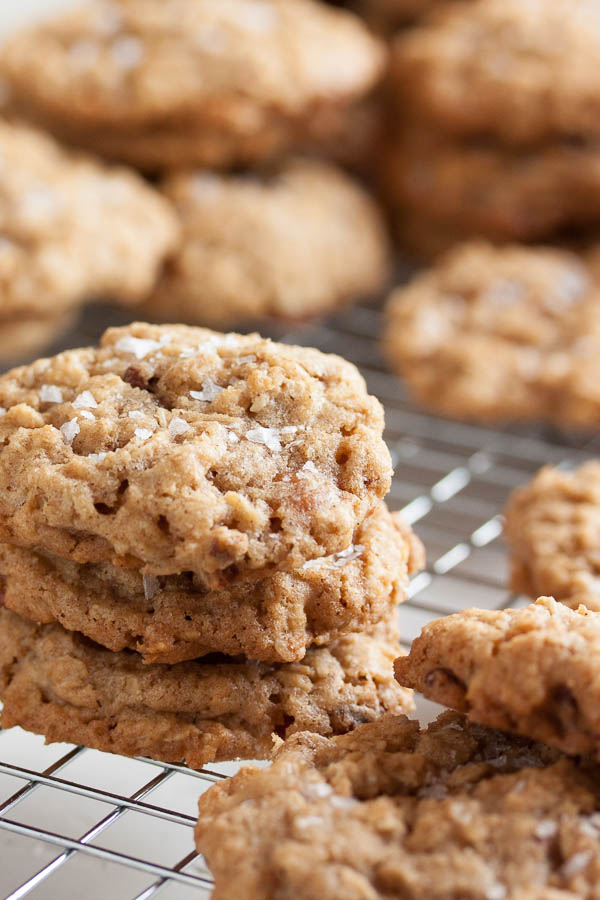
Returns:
(74, 820)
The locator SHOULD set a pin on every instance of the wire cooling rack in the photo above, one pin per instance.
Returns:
(75, 822)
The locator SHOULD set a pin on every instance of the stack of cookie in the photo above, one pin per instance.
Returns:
(457, 810)
(209, 88)
(72, 230)
(497, 123)
(195, 551)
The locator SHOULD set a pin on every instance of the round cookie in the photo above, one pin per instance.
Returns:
(72, 229)
(533, 671)
(172, 619)
(482, 188)
(390, 811)
(552, 527)
(495, 334)
(291, 245)
(173, 449)
(224, 83)
(522, 72)
(55, 683)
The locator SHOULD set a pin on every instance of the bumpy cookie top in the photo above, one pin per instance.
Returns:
(534, 671)
(234, 61)
(388, 811)
(500, 333)
(552, 526)
(189, 450)
(72, 227)
(292, 244)
(519, 70)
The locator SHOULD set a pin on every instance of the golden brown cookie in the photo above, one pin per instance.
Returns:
(291, 245)
(61, 685)
(390, 811)
(193, 82)
(72, 230)
(497, 334)
(170, 449)
(552, 527)
(519, 71)
(174, 618)
(532, 671)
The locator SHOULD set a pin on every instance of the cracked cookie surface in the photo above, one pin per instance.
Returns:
(172, 449)
(58, 684)
(389, 811)
(532, 671)
(171, 619)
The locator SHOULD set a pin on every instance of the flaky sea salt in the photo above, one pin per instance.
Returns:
(495, 892)
(136, 414)
(70, 430)
(49, 393)
(249, 358)
(2, 411)
(178, 426)
(128, 52)
(267, 436)
(143, 433)
(210, 391)
(308, 821)
(576, 864)
(86, 414)
(138, 347)
(307, 470)
(232, 438)
(151, 586)
(342, 802)
(318, 789)
(96, 457)
(546, 829)
(345, 556)
(85, 400)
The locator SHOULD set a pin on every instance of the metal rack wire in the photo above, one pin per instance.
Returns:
(76, 822)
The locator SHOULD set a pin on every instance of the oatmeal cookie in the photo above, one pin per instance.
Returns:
(73, 229)
(172, 449)
(480, 187)
(496, 334)
(517, 71)
(222, 83)
(293, 244)
(552, 527)
(171, 619)
(389, 811)
(532, 671)
(59, 684)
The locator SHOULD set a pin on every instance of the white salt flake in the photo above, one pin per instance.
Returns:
(210, 391)
(70, 430)
(307, 470)
(576, 864)
(267, 436)
(86, 414)
(318, 789)
(546, 829)
(308, 821)
(138, 347)
(346, 556)
(250, 358)
(289, 429)
(178, 426)
(128, 52)
(136, 414)
(49, 393)
(85, 400)
(143, 433)
(2, 411)
(97, 457)
(496, 892)
(342, 802)
(232, 438)
(151, 586)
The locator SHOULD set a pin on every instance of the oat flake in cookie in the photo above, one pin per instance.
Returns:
(289, 244)
(552, 527)
(174, 449)
(501, 334)
(193, 82)
(532, 671)
(58, 684)
(390, 812)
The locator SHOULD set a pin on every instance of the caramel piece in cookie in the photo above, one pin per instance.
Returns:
(495, 334)
(389, 811)
(482, 188)
(172, 449)
(172, 618)
(533, 671)
(520, 71)
(291, 245)
(72, 230)
(552, 526)
(226, 83)
(58, 684)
